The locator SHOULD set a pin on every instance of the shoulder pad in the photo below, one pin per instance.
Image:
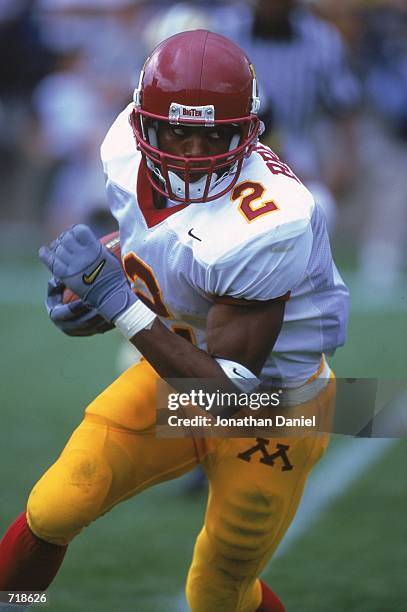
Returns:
(119, 152)
(268, 205)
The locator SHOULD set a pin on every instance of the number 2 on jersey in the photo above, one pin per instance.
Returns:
(248, 193)
(135, 269)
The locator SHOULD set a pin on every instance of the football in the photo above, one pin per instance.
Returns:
(112, 243)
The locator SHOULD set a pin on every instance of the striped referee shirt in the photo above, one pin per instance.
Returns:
(298, 77)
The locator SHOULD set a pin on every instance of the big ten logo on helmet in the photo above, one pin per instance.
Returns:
(191, 112)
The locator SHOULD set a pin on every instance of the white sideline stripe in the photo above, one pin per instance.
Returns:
(336, 473)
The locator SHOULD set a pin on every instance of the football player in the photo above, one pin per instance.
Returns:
(220, 238)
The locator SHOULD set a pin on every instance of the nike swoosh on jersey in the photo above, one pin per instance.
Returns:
(238, 374)
(193, 235)
(88, 279)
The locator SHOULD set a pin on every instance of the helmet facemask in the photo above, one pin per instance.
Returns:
(193, 179)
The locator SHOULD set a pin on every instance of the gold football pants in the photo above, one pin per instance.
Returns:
(114, 454)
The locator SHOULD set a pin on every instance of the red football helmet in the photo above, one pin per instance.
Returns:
(203, 79)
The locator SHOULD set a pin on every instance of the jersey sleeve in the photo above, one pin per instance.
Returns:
(119, 152)
(262, 269)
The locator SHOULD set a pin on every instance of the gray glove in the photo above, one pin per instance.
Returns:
(75, 318)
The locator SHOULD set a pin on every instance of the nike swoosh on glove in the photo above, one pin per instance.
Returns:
(83, 264)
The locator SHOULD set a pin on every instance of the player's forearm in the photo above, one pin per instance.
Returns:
(174, 357)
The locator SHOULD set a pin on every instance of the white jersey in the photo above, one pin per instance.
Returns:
(265, 239)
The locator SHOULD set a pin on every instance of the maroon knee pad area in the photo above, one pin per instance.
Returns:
(27, 563)
(269, 600)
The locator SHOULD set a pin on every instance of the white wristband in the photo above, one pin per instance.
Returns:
(239, 374)
(134, 319)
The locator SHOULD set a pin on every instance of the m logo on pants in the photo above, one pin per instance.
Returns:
(268, 459)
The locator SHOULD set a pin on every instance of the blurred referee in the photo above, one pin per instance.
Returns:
(303, 73)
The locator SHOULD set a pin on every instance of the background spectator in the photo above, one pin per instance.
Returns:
(304, 75)
(384, 136)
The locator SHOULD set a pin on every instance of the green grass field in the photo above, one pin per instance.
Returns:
(352, 559)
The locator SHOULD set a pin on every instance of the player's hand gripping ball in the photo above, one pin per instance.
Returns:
(89, 288)
(112, 243)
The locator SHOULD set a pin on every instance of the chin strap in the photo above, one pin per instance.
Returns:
(196, 188)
